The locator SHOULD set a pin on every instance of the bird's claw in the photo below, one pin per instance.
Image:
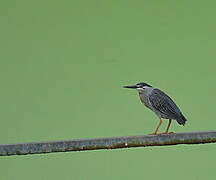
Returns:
(161, 133)
(154, 134)
(166, 133)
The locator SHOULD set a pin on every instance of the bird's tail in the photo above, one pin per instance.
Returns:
(181, 120)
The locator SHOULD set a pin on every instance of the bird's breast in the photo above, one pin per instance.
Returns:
(144, 101)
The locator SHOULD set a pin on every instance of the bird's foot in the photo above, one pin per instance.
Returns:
(154, 134)
(161, 133)
(167, 133)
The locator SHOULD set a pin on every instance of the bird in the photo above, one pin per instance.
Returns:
(160, 103)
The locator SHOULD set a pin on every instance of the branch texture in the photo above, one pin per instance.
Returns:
(107, 143)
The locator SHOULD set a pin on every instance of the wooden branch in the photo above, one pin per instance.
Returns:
(107, 143)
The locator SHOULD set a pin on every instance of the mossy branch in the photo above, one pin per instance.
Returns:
(107, 143)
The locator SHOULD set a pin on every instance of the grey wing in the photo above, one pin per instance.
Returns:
(164, 104)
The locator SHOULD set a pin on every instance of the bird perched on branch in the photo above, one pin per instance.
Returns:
(160, 103)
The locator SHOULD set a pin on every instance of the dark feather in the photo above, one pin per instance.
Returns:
(143, 84)
(166, 106)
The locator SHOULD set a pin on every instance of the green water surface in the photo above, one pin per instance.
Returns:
(62, 68)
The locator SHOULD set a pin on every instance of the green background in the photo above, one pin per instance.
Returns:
(62, 68)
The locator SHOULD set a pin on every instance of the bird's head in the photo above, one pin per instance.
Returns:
(139, 87)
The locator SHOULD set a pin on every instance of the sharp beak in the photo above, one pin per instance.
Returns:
(131, 87)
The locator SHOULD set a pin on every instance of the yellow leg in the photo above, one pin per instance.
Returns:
(168, 126)
(166, 132)
(155, 133)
